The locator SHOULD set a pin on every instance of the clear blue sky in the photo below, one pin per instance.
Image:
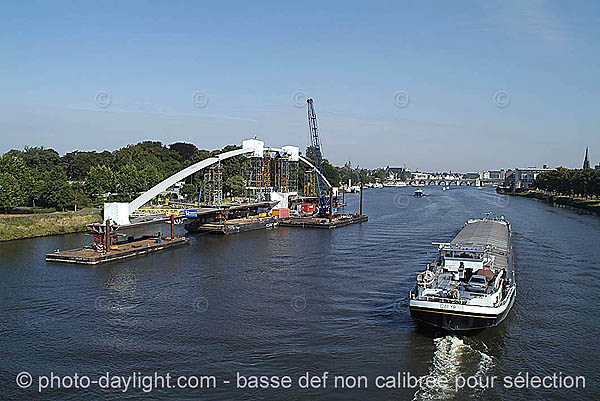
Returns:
(250, 58)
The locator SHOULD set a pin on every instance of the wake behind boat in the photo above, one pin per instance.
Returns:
(471, 284)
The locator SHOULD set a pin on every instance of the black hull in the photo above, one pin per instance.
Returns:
(459, 321)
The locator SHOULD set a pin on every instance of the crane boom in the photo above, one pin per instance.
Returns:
(317, 155)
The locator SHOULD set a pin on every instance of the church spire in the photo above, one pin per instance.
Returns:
(586, 161)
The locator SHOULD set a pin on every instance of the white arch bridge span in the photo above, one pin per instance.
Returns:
(119, 212)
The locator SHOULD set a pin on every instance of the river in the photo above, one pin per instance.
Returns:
(288, 301)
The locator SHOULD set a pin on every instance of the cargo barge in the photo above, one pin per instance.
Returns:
(324, 222)
(232, 226)
(471, 285)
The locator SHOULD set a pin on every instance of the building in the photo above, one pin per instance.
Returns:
(509, 178)
(523, 177)
(492, 177)
(586, 160)
(394, 173)
(416, 175)
(597, 166)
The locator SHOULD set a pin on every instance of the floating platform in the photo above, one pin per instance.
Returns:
(89, 256)
(323, 222)
(234, 226)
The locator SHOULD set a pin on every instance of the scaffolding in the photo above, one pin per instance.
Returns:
(254, 177)
(292, 176)
(310, 183)
(271, 173)
(254, 174)
(277, 174)
(267, 170)
(212, 185)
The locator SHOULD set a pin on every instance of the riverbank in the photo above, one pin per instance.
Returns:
(40, 225)
(590, 205)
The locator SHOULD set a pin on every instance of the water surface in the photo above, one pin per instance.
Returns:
(289, 301)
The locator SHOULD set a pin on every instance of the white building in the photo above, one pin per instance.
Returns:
(523, 177)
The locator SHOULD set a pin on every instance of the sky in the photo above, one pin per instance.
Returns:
(431, 85)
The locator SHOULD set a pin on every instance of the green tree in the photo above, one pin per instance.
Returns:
(148, 153)
(13, 178)
(80, 199)
(331, 173)
(129, 181)
(150, 177)
(185, 150)
(57, 191)
(235, 185)
(99, 180)
(11, 194)
(38, 158)
(197, 157)
(77, 164)
(189, 191)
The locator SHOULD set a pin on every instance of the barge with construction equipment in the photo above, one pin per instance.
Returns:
(471, 285)
(106, 246)
(233, 218)
(88, 255)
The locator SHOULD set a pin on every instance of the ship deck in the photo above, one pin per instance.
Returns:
(486, 233)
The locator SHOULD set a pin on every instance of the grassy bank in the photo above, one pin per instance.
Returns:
(590, 205)
(39, 225)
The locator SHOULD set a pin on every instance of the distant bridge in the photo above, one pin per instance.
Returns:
(444, 181)
(119, 212)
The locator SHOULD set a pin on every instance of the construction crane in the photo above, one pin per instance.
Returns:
(317, 156)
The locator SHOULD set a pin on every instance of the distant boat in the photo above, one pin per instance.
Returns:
(446, 187)
(419, 193)
(394, 184)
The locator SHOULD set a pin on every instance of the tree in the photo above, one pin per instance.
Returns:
(57, 192)
(77, 164)
(33, 185)
(197, 157)
(189, 191)
(331, 173)
(150, 176)
(13, 174)
(129, 181)
(185, 150)
(38, 158)
(80, 199)
(232, 166)
(235, 185)
(99, 180)
(148, 153)
(570, 182)
(11, 194)
(380, 173)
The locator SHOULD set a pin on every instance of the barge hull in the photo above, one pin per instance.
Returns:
(314, 222)
(458, 321)
(232, 226)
